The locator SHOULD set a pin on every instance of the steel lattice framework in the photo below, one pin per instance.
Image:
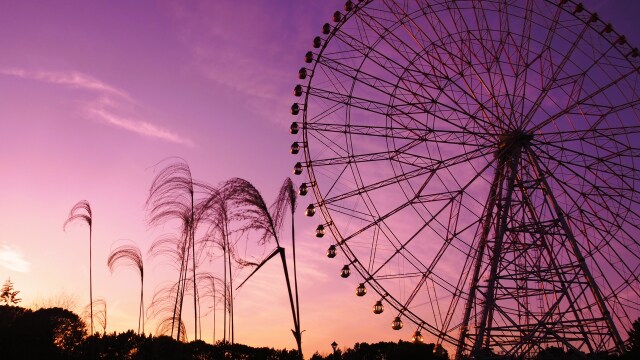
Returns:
(476, 162)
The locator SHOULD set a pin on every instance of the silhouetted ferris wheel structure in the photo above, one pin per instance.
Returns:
(477, 163)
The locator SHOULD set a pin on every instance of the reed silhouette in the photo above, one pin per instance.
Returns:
(100, 313)
(162, 307)
(212, 285)
(249, 208)
(129, 255)
(172, 197)
(81, 211)
(215, 210)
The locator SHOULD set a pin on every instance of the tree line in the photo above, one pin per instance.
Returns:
(59, 334)
(56, 333)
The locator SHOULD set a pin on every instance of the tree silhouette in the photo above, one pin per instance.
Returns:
(8, 295)
(129, 255)
(633, 342)
(81, 211)
(388, 351)
(51, 333)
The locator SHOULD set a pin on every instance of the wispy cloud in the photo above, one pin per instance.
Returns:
(108, 107)
(13, 259)
(139, 127)
(73, 79)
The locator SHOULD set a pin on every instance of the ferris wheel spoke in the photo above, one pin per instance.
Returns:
(493, 83)
(389, 38)
(521, 71)
(611, 291)
(491, 54)
(405, 176)
(594, 132)
(567, 188)
(389, 66)
(591, 162)
(395, 155)
(555, 71)
(350, 212)
(419, 105)
(326, 113)
(330, 143)
(447, 242)
(462, 49)
(590, 96)
(593, 250)
(601, 114)
(386, 65)
(407, 109)
(400, 251)
(454, 137)
(426, 224)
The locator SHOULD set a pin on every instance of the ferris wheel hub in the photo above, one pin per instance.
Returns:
(509, 142)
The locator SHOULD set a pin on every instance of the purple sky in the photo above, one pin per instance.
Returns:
(94, 94)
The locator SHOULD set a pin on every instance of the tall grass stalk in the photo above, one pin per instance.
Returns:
(81, 211)
(214, 209)
(171, 197)
(129, 255)
(250, 208)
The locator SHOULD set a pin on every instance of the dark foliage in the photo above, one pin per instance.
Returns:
(129, 345)
(52, 333)
(388, 351)
(58, 334)
(8, 316)
(556, 353)
(633, 342)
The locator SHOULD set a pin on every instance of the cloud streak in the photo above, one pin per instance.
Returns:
(105, 107)
(12, 259)
(72, 79)
(139, 127)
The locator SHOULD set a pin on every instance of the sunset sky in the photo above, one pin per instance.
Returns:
(94, 95)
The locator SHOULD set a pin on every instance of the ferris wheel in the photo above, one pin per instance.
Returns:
(476, 165)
